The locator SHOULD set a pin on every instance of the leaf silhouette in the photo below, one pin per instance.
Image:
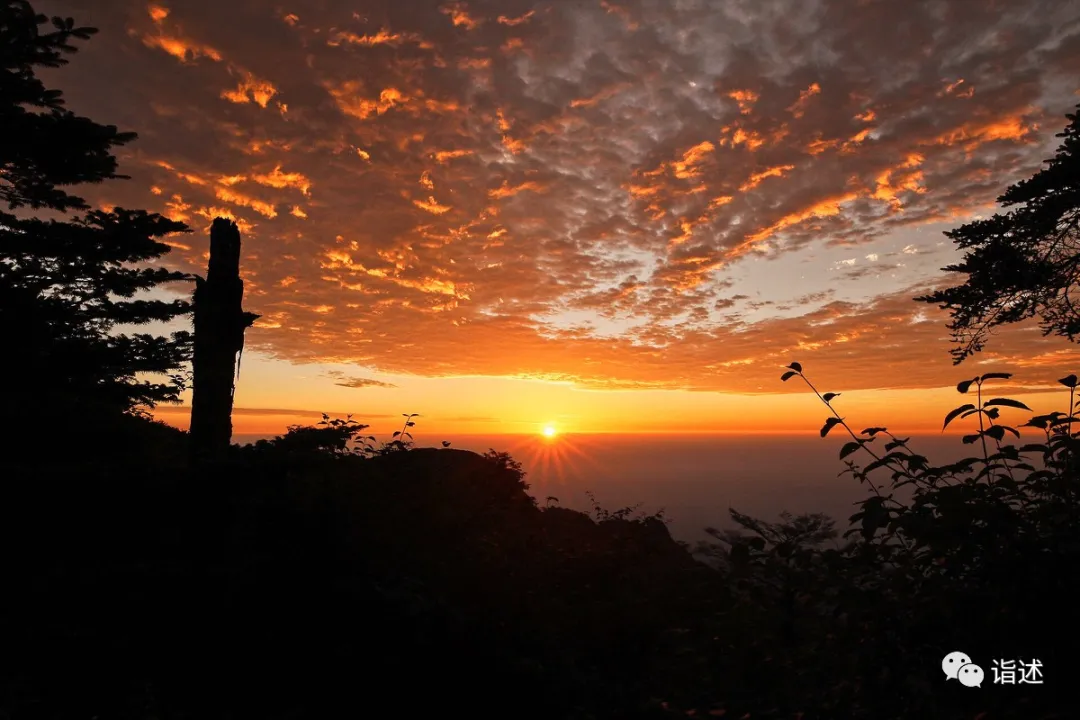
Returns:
(964, 386)
(998, 375)
(1007, 402)
(952, 414)
(829, 396)
(788, 375)
(1069, 381)
(849, 448)
(829, 425)
(796, 367)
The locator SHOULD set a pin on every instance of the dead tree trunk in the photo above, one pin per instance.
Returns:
(219, 335)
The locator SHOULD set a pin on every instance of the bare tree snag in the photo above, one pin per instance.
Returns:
(219, 335)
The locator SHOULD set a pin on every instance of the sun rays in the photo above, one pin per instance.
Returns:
(554, 459)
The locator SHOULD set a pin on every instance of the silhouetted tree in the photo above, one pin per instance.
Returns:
(219, 336)
(67, 282)
(1024, 262)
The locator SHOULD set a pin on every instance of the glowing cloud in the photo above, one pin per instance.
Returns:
(251, 89)
(278, 179)
(799, 108)
(231, 196)
(745, 99)
(573, 192)
(756, 178)
(459, 15)
(176, 44)
(432, 206)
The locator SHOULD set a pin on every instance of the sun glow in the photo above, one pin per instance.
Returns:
(549, 431)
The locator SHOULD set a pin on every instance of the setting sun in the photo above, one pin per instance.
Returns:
(549, 431)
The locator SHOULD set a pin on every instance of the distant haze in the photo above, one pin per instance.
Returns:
(696, 478)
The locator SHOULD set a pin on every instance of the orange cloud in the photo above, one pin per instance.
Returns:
(515, 146)
(745, 99)
(186, 177)
(382, 37)
(798, 109)
(512, 45)
(261, 146)
(176, 209)
(687, 167)
(182, 48)
(350, 103)
(251, 89)
(444, 156)
(642, 191)
(973, 134)
(278, 179)
(905, 178)
(503, 20)
(231, 196)
(459, 15)
(820, 209)
(818, 145)
(506, 190)
(733, 137)
(605, 94)
(432, 206)
(950, 88)
(212, 212)
(756, 178)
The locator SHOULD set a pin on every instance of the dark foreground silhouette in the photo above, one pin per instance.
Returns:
(298, 580)
(292, 583)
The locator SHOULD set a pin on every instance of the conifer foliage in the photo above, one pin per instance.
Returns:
(70, 276)
(1023, 263)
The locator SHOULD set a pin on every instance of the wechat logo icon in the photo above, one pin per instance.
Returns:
(958, 666)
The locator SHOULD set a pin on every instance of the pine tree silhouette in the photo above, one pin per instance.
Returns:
(1025, 262)
(67, 281)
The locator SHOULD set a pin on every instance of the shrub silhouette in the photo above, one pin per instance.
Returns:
(979, 554)
(339, 437)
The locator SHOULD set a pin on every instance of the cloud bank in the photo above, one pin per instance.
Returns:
(570, 190)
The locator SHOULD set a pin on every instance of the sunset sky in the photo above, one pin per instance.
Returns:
(610, 216)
